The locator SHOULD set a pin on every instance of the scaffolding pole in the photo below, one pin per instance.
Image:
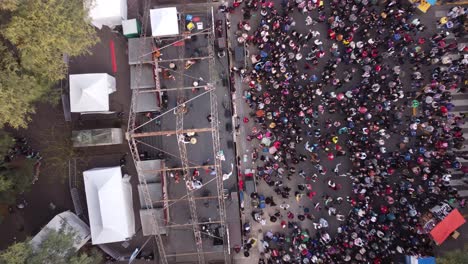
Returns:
(216, 144)
(180, 132)
(133, 145)
(179, 112)
(171, 132)
(206, 167)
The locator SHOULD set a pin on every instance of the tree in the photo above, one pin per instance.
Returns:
(56, 248)
(6, 142)
(18, 253)
(18, 91)
(9, 5)
(5, 183)
(43, 30)
(58, 150)
(21, 174)
(93, 258)
(454, 257)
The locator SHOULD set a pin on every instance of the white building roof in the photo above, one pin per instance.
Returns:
(110, 206)
(164, 22)
(90, 92)
(107, 12)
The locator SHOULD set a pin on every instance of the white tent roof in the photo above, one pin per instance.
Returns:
(164, 21)
(70, 222)
(90, 92)
(110, 206)
(107, 12)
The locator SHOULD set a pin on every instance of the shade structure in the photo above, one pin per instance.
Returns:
(106, 12)
(90, 92)
(110, 207)
(449, 224)
(419, 260)
(131, 28)
(97, 137)
(69, 223)
(164, 22)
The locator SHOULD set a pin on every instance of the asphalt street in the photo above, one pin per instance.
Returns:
(246, 148)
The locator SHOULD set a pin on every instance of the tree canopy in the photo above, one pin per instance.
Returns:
(18, 253)
(33, 40)
(57, 248)
(18, 91)
(454, 257)
(43, 31)
(9, 5)
(18, 176)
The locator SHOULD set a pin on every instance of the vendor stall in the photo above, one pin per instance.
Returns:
(106, 12)
(447, 226)
(131, 28)
(90, 92)
(164, 22)
(97, 137)
(110, 205)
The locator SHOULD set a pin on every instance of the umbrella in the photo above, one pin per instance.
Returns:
(266, 141)
(443, 20)
(449, 24)
(260, 113)
(323, 222)
(362, 109)
(272, 150)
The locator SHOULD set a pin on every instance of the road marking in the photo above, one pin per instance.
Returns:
(114, 61)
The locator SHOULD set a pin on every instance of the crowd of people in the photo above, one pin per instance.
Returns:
(373, 92)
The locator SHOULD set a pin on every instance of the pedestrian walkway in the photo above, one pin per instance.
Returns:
(459, 180)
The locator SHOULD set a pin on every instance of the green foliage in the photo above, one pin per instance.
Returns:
(93, 258)
(56, 248)
(5, 183)
(454, 257)
(6, 142)
(34, 36)
(18, 91)
(43, 30)
(21, 175)
(18, 253)
(58, 150)
(9, 5)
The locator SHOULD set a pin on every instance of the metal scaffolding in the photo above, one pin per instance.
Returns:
(133, 145)
(134, 136)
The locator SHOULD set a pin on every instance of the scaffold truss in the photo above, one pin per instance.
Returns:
(135, 134)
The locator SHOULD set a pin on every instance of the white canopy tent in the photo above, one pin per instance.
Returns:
(90, 92)
(164, 22)
(68, 222)
(110, 206)
(107, 12)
